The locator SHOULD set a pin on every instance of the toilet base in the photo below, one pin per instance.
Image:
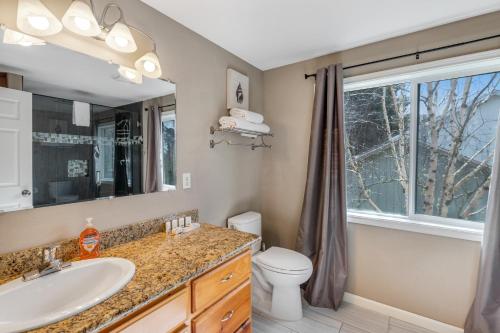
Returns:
(283, 303)
(287, 303)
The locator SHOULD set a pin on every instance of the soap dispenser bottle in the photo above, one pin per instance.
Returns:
(89, 241)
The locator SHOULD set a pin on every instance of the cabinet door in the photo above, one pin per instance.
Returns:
(227, 315)
(15, 150)
(163, 318)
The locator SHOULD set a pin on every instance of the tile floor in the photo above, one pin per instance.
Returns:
(349, 319)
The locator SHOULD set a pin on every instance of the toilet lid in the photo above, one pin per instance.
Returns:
(284, 259)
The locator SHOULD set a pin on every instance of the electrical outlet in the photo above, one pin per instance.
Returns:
(186, 181)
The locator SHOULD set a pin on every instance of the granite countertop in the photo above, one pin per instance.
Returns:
(163, 263)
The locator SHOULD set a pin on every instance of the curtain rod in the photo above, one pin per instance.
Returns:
(162, 106)
(416, 54)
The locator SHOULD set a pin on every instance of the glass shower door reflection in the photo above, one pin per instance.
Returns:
(104, 159)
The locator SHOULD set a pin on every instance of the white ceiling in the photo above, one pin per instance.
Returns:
(273, 33)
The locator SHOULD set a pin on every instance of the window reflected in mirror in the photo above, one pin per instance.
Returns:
(168, 149)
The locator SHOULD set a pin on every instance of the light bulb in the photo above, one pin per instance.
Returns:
(82, 23)
(39, 22)
(121, 41)
(80, 19)
(149, 66)
(130, 74)
(18, 38)
(35, 19)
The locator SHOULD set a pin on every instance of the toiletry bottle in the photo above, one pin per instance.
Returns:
(89, 241)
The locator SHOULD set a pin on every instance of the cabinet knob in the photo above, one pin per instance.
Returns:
(26, 193)
(227, 316)
(227, 278)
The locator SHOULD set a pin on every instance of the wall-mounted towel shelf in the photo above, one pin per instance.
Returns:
(259, 136)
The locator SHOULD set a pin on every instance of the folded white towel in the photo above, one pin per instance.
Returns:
(240, 123)
(81, 114)
(250, 116)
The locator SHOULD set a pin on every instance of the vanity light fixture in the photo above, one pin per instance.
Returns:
(130, 74)
(120, 39)
(80, 19)
(149, 65)
(35, 19)
(18, 38)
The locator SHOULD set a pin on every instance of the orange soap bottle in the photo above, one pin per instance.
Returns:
(89, 241)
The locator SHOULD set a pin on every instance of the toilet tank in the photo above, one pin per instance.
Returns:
(250, 222)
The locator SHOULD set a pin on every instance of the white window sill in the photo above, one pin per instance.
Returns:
(405, 224)
(167, 188)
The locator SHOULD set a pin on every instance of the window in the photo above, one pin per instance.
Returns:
(420, 143)
(168, 149)
(105, 152)
(457, 120)
(377, 148)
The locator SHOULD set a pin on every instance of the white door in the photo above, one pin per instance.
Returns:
(15, 150)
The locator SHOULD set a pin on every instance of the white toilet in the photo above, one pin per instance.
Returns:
(276, 275)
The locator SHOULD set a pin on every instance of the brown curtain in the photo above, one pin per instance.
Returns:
(323, 232)
(153, 180)
(484, 315)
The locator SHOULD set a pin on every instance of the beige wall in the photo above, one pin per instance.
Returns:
(223, 179)
(428, 275)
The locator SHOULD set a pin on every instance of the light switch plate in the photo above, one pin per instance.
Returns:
(186, 181)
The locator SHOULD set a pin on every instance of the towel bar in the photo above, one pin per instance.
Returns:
(253, 145)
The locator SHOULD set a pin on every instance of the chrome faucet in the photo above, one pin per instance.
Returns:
(49, 264)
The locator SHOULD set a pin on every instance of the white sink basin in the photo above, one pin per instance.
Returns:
(28, 305)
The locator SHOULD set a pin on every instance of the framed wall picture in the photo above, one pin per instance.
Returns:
(237, 90)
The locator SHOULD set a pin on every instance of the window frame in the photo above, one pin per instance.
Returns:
(468, 65)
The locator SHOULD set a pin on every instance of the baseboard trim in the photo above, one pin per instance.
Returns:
(403, 315)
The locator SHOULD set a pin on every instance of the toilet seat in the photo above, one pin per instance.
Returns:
(281, 260)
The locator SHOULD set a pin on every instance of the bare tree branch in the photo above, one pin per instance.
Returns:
(470, 159)
(430, 184)
(397, 158)
(399, 107)
(478, 194)
(473, 172)
(355, 168)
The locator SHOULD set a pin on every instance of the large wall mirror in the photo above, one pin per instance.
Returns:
(72, 128)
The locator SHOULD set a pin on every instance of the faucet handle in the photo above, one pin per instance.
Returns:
(50, 252)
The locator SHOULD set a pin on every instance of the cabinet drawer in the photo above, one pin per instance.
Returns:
(245, 328)
(228, 314)
(183, 330)
(162, 318)
(215, 284)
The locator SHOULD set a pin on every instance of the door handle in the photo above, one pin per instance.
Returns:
(26, 193)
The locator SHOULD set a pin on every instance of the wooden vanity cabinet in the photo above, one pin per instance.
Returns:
(219, 301)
